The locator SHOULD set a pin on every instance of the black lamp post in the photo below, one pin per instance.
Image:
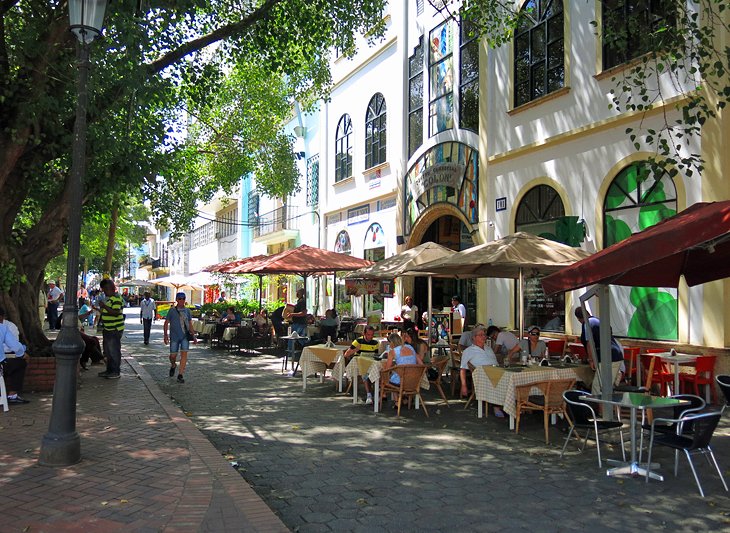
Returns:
(61, 445)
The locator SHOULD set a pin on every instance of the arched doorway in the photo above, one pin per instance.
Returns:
(451, 232)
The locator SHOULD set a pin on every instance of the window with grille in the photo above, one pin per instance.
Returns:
(415, 98)
(253, 208)
(634, 27)
(538, 50)
(375, 132)
(343, 148)
(469, 78)
(226, 223)
(313, 181)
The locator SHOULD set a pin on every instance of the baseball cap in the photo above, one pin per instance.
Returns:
(180, 296)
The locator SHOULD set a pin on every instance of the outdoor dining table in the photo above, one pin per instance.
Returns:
(671, 357)
(365, 365)
(497, 385)
(316, 359)
(229, 333)
(203, 328)
(634, 401)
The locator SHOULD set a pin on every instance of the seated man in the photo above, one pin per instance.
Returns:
(465, 338)
(364, 345)
(13, 368)
(478, 354)
(503, 341)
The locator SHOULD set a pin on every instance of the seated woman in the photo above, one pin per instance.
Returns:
(532, 345)
(419, 346)
(230, 317)
(328, 325)
(399, 354)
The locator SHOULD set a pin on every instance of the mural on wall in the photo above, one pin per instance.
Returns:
(374, 237)
(342, 243)
(447, 173)
(637, 199)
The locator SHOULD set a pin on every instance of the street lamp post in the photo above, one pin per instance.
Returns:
(61, 445)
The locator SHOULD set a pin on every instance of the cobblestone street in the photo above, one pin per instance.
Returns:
(324, 464)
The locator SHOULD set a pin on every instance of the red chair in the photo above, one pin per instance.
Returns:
(556, 348)
(579, 351)
(704, 375)
(631, 356)
(657, 372)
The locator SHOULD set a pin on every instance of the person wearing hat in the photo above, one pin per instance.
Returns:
(112, 320)
(178, 324)
(13, 359)
(531, 345)
(54, 297)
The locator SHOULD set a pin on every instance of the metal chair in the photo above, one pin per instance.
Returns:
(696, 404)
(704, 425)
(723, 381)
(582, 416)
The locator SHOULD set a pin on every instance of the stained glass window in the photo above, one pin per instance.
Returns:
(375, 132)
(441, 76)
(538, 50)
(640, 197)
(343, 148)
(633, 27)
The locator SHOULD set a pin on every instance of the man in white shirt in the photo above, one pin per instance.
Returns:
(54, 297)
(409, 313)
(503, 341)
(13, 368)
(478, 354)
(147, 315)
(456, 305)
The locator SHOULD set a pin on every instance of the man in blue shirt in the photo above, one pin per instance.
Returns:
(13, 368)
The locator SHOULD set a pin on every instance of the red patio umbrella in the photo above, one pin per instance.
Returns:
(694, 243)
(305, 261)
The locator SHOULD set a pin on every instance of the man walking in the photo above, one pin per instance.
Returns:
(178, 324)
(147, 315)
(112, 319)
(54, 297)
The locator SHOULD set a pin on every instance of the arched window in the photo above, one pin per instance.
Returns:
(342, 243)
(343, 148)
(640, 197)
(375, 132)
(541, 212)
(538, 49)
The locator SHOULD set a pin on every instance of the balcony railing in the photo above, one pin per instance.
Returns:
(279, 219)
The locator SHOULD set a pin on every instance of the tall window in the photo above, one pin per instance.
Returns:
(375, 132)
(343, 148)
(441, 77)
(415, 98)
(638, 198)
(469, 79)
(313, 181)
(253, 208)
(634, 27)
(541, 212)
(539, 56)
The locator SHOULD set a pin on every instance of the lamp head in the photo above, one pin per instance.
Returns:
(86, 18)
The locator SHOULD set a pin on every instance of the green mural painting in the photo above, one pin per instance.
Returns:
(637, 199)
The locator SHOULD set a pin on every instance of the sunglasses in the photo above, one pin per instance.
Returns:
(534, 333)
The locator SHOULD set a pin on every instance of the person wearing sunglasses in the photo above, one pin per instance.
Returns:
(532, 345)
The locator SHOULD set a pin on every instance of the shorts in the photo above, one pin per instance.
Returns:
(179, 345)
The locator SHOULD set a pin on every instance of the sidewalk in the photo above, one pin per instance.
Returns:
(144, 467)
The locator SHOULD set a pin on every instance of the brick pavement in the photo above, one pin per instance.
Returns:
(324, 464)
(145, 467)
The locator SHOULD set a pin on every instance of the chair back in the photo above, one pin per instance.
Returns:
(723, 381)
(410, 377)
(704, 426)
(438, 364)
(578, 410)
(655, 350)
(328, 331)
(556, 348)
(696, 404)
(579, 351)
(556, 389)
(705, 365)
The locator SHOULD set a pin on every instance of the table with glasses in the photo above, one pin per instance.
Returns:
(497, 385)
(317, 359)
(634, 401)
(670, 357)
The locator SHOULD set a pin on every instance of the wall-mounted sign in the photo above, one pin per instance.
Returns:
(364, 287)
(358, 215)
(440, 174)
(501, 203)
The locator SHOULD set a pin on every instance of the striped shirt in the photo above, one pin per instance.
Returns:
(113, 322)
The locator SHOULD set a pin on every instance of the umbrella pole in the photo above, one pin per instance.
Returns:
(261, 290)
(522, 304)
(430, 305)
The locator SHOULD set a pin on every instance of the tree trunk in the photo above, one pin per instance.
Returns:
(112, 235)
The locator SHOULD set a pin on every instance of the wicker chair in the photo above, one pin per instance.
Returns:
(410, 383)
(439, 364)
(550, 403)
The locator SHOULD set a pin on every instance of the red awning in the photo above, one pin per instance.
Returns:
(694, 243)
(305, 261)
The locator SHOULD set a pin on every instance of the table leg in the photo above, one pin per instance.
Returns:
(480, 409)
(376, 399)
(633, 468)
(639, 383)
(676, 378)
(354, 388)
(305, 371)
(511, 422)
